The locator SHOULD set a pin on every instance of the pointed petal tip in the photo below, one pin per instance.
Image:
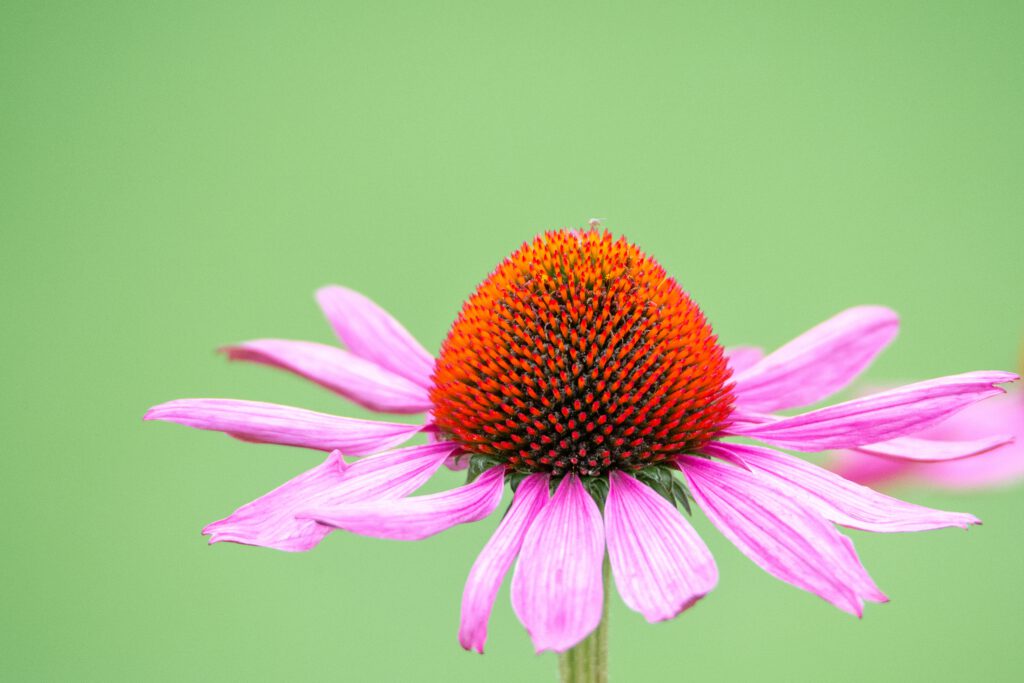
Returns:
(168, 411)
(472, 642)
(854, 607)
(965, 521)
(672, 613)
(233, 351)
(158, 412)
(214, 537)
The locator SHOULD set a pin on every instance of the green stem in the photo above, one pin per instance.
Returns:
(588, 661)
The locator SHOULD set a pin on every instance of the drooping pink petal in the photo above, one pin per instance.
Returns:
(270, 520)
(271, 423)
(819, 362)
(786, 538)
(357, 379)
(371, 332)
(742, 357)
(928, 450)
(879, 417)
(494, 560)
(557, 588)
(837, 499)
(413, 519)
(661, 566)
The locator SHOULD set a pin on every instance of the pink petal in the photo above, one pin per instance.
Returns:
(868, 470)
(819, 362)
(413, 519)
(355, 378)
(270, 520)
(372, 333)
(862, 582)
(787, 539)
(927, 450)
(494, 560)
(557, 589)
(1001, 466)
(742, 357)
(837, 499)
(879, 417)
(272, 423)
(660, 564)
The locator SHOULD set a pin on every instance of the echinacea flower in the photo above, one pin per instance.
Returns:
(1002, 466)
(582, 375)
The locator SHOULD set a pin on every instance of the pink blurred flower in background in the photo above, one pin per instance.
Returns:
(1001, 466)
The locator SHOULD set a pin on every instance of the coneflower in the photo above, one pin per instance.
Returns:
(583, 376)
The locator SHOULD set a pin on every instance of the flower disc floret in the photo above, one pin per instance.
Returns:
(580, 354)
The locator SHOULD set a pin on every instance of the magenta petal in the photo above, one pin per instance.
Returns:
(413, 519)
(819, 362)
(272, 423)
(557, 589)
(837, 499)
(357, 379)
(661, 566)
(742, 357)
(862, 582)
(494, 560)
(1004, 465)
(868, 470)
(787, 539)
(927, 450)
(270, 520)
(879, 417)
(371, 332)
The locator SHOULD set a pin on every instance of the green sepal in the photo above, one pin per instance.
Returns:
(682, 497)
(660, 479)
(664, 482)
(597, 487)
(514, 479)
(480, 463)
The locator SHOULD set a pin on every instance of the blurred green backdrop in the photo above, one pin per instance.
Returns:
(177, 176)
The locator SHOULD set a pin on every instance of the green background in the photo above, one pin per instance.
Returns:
(177, 176)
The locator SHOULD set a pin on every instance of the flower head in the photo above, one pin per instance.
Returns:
(583, 375)
(580, 354)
